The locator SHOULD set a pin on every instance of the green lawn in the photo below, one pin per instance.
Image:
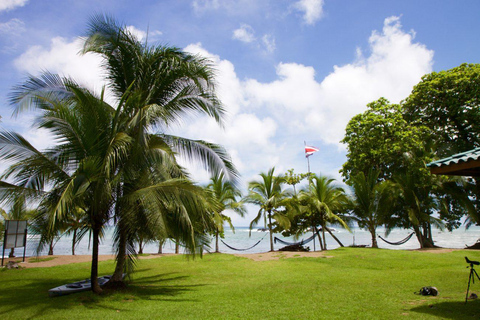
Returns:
(354, 284)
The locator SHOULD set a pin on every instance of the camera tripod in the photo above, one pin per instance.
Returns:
(473, 273)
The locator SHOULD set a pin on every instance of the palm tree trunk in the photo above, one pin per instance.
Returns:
(94, 270)
(140, 246)
(216, 241)
(50, 248)
(323, 235)
(319, 238)
(12, 253)
(270, 231)
(160, 246)
(177, 246)
(73, 241)
(374, 237)
(117, 276)
(336, 239)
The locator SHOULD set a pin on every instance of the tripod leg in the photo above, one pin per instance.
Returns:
(469, 279)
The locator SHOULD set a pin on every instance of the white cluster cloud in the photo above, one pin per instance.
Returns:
(12, 27)
(6, 5)
(247, 34)
(312, 10)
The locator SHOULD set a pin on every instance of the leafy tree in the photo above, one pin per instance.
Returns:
(448, 103)
(378, 139)
(324, 202)
(222, 196)
(291, 178)
(372, 201)
(271, 198)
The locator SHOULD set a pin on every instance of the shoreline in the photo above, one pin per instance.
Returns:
(263, 256)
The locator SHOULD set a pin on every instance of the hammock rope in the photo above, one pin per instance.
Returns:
(399, 242)
(230, 247)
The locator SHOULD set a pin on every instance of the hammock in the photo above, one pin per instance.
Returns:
(246, 248)
(399, 242)
(301, 243)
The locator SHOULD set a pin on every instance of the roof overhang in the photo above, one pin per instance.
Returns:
(461, 164)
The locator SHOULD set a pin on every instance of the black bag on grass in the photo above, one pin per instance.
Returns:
(428, 291)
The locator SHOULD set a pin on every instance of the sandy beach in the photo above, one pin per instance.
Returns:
(30, 262)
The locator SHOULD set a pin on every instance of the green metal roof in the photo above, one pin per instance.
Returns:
(465, 163)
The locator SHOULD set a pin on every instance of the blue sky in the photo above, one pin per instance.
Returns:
(288, 71)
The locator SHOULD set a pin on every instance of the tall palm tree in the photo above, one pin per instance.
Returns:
(161, 85)
(324, 201)
(371, 201)
(271, 198)
(83, 166)
(223, 195)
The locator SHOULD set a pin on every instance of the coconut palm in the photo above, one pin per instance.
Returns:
(271, 198)
(161, 85)
(83, 166)
(223, 195)
(324, 201)
(372, 201)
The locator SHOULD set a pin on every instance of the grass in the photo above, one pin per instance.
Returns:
(35, 260)
(356, 283)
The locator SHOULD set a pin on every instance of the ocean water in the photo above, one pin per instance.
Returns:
(240, 239)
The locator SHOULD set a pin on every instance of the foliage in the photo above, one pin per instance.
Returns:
(379, 139)
(372, 201)
(291, 178)
(323, 203)
(272, 199)
(223, 195)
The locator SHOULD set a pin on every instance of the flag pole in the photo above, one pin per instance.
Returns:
(309, 183)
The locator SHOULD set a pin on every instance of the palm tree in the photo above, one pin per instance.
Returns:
(160, 85)
(371, 201)
(223, 196)
(82, 168)
(324, 202)
(271, 199)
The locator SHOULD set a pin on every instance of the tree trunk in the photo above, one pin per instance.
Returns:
(177, 247)
(12, 253)
(50, 248)
(73, 241)
(270, 231)
(323, 236)
(117, 277)
(216, 241)
(160, 246)
(374, 237)
(336, 239)
(140, 246)
(94, 270)
(319, 238)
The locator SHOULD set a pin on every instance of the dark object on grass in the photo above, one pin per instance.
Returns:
(12, 265)
(78, 286)
(428, 291)
(295, 247)
(473, 296)
(358, 246)
(473, 273)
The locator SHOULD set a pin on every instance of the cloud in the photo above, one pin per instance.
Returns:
(269, 43)
(63, 57)
(6, 5)
(245, 33)
(11, 31)
(312, 10)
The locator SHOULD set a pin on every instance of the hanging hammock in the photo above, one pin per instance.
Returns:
(246, 248)
(399, 242)
(301, 243)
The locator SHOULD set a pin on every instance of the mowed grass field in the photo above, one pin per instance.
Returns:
(353, 283)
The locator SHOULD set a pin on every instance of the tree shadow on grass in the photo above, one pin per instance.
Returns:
(451, 310)
(28, 298)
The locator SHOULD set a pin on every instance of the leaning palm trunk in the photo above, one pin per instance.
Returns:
(319, 238)
(117, 276)
(374, 237)
(73, 241)
(216, 241)
(333, 236)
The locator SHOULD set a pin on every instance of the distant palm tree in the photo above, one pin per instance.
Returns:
(222, 196)
(18, 211)
(372, 201)
(323, 201)
(271, 198)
